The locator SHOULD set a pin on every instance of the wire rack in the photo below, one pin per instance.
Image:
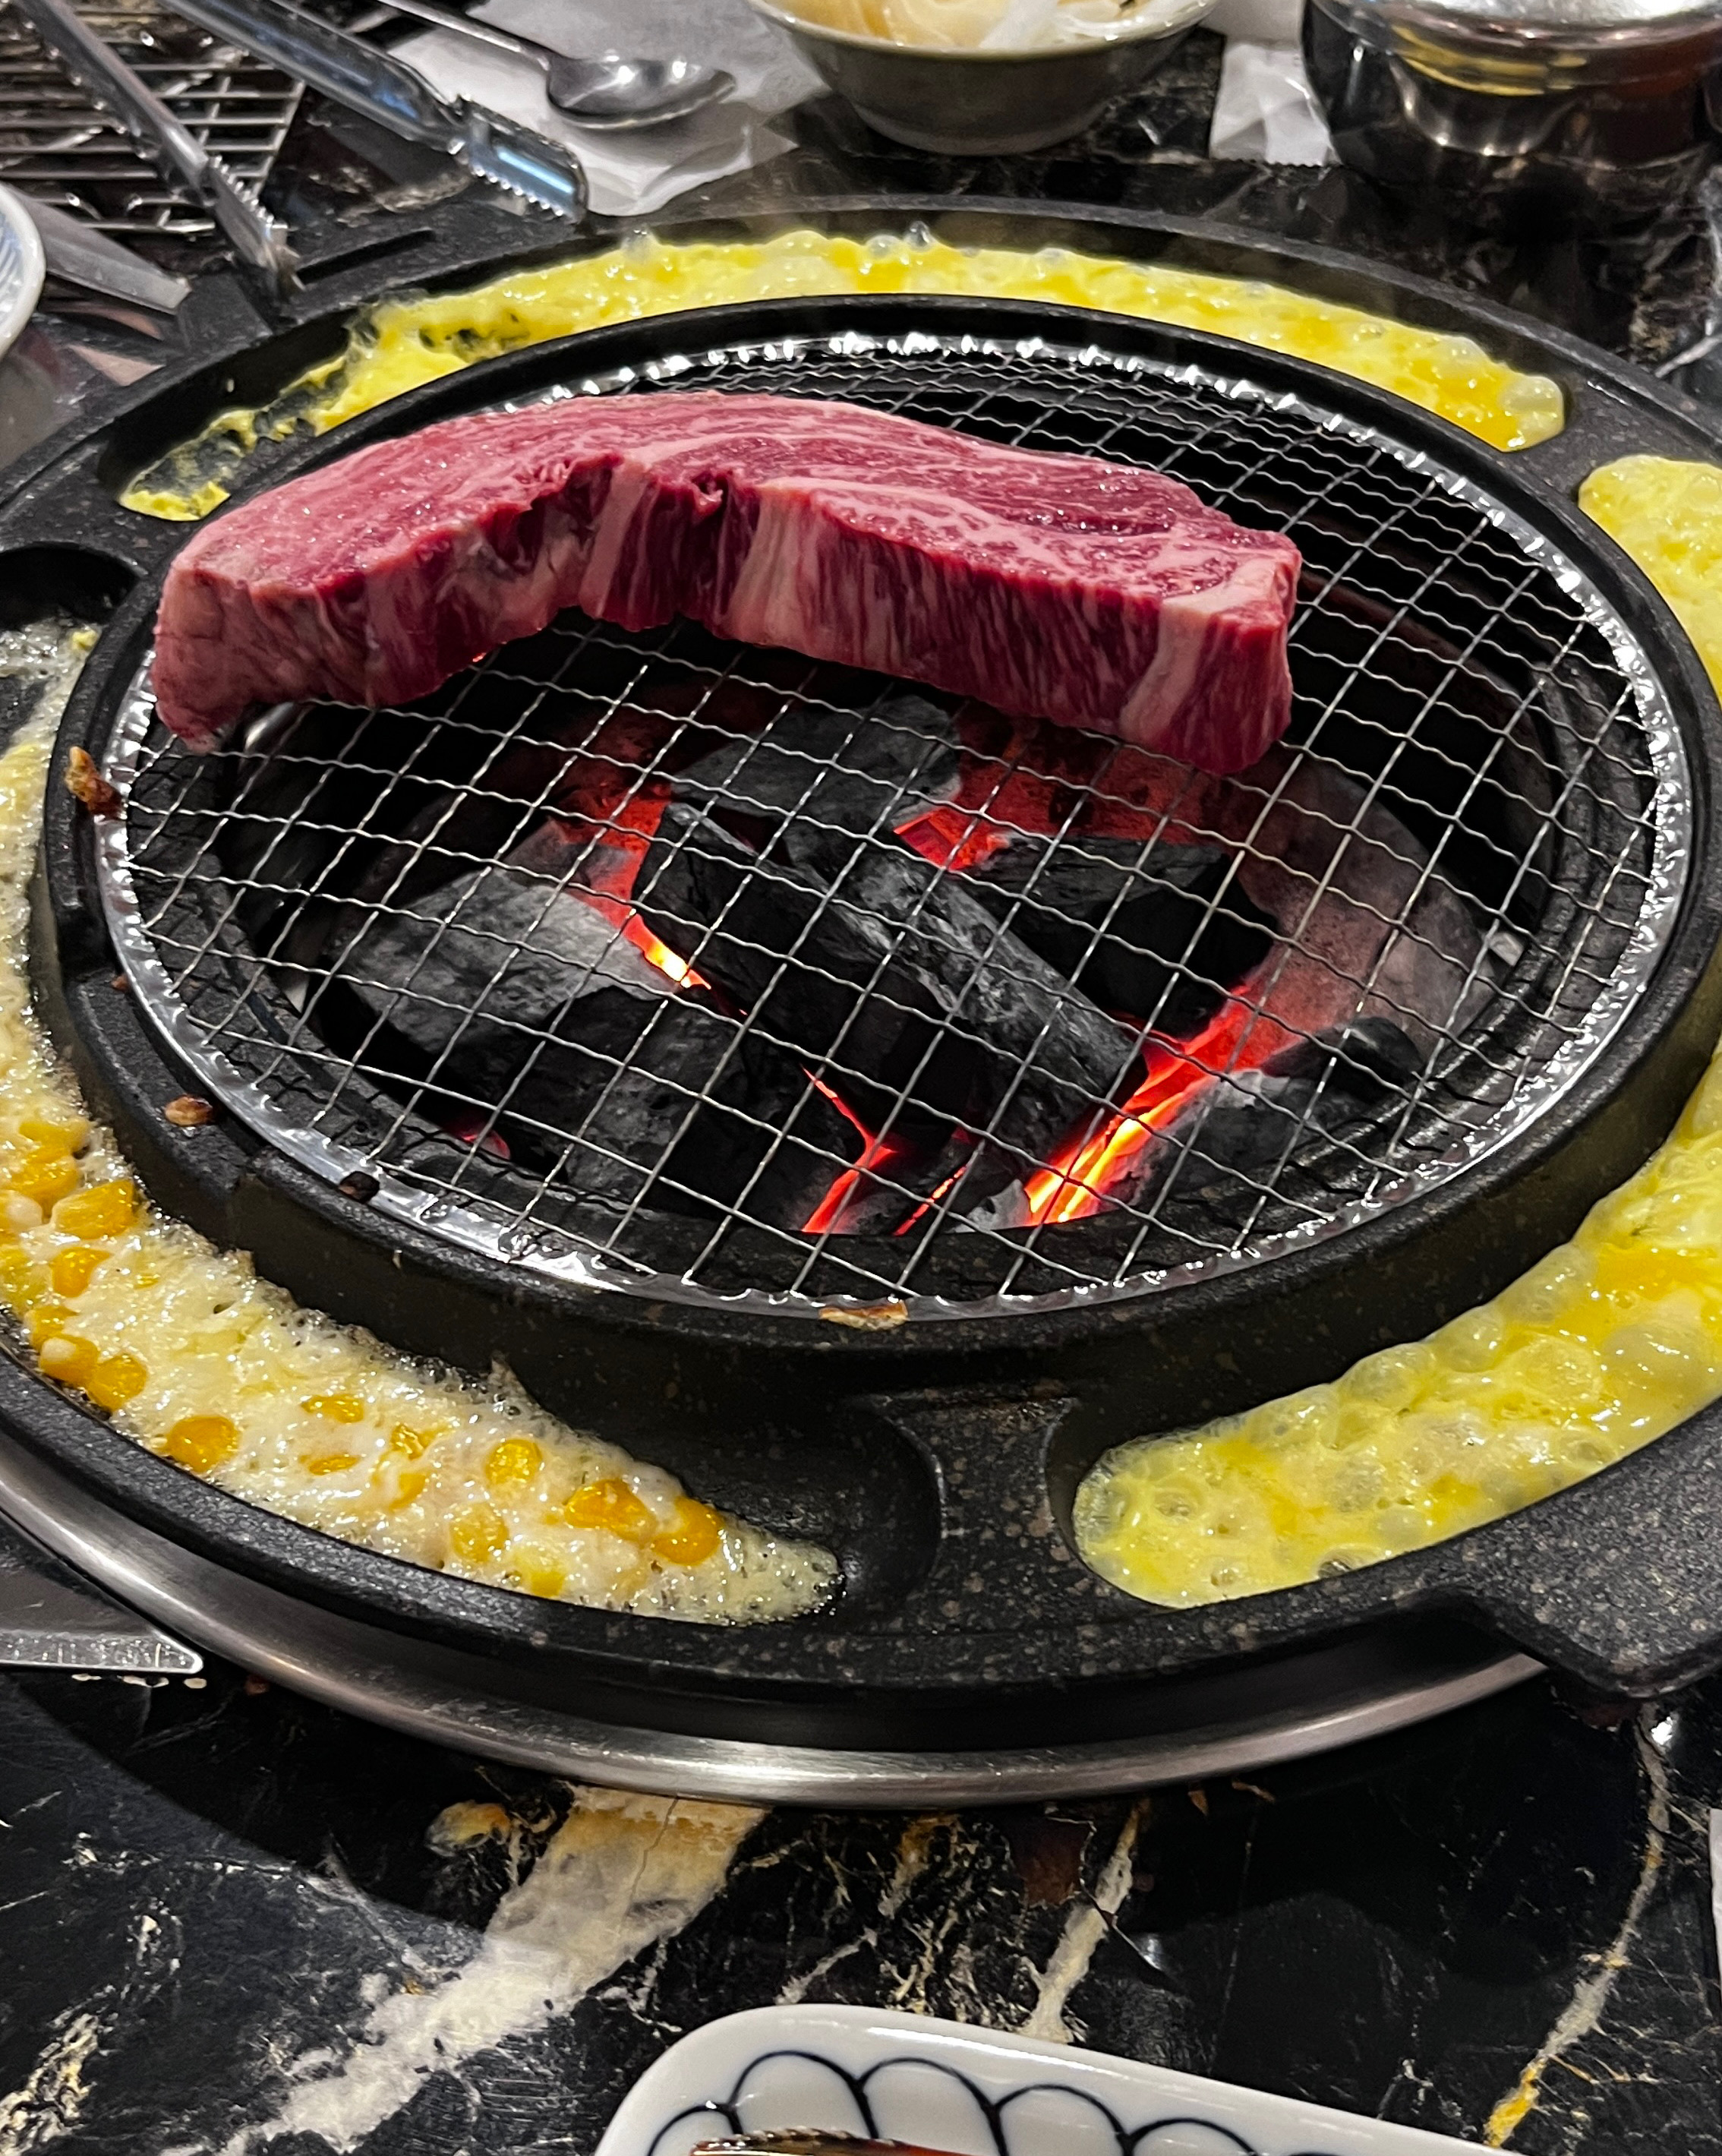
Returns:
(58, 145)
(613, 957)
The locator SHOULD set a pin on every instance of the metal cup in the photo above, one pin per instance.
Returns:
(1521, 120)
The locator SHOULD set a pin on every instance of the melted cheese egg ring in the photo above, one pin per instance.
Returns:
(192, 1355)
(407, 339)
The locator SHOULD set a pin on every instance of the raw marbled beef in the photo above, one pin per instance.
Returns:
(1051, 587)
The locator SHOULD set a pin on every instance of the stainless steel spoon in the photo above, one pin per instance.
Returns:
(609, 91)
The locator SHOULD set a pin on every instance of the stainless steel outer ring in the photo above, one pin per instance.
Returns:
(367, 1671)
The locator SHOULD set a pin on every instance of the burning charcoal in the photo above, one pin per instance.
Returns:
(1026, 1055)
(588, 770)
(1362, 1061)
(822, 979)
(496, 956)
(771, 1145)
(892, 979)
(1246, 1125)
(1353, 892)
(898, 1180)
(859, 775)
(1157, 932)
(511, 992)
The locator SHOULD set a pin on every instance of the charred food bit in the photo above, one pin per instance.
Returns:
(88, 788)
(867, 1316)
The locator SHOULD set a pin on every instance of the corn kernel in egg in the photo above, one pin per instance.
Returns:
(72, 1269)
(537, 1570)
(202, 1442)
(104, 1210)
(692, 1537)
(406, 1488)
(22, 1282)
(477, 1532)
(45, 1177)
(116, 1379)
(515, 1459)
(45, 1320)
(67, 1359)
(611, 1505)
(55, 1129)
(336, 1407)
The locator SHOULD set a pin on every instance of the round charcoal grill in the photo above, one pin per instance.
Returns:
(635, 1003)
(396, 942)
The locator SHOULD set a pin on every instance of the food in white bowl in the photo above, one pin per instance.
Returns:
(990, 26)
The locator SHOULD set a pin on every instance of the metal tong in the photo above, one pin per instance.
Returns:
(259, 238)
(398, 97)
(83, 256)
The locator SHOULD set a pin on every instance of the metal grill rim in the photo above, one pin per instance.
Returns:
(1635, 905)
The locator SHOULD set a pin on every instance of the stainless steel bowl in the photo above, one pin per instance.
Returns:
(1521, 112)
(972, 103)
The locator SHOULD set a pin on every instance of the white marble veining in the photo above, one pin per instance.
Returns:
(1583, 2012)
(620, 1872)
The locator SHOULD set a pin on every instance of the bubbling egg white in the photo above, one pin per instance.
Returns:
(190, 1354)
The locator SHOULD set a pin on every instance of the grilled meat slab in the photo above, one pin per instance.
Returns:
(1094, 594)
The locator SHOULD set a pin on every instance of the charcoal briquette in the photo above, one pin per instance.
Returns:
(1239, 1132)
(1159, 932)
(854, 773)
(509, 993)
(890, 978)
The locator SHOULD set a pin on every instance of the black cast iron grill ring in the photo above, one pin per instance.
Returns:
(1472, 722)
(940, 1458)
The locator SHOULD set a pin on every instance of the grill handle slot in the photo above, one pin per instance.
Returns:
(1004, 1563)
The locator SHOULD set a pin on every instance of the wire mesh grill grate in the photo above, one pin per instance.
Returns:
(709, 971)
(58, 146)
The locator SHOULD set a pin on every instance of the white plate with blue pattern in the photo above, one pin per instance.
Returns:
(973, 2091)
(22, 269)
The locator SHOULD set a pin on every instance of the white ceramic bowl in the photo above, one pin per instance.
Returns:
(22, 269)
(975, 2091)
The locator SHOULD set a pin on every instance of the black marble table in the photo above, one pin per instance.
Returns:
(232, 1921)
